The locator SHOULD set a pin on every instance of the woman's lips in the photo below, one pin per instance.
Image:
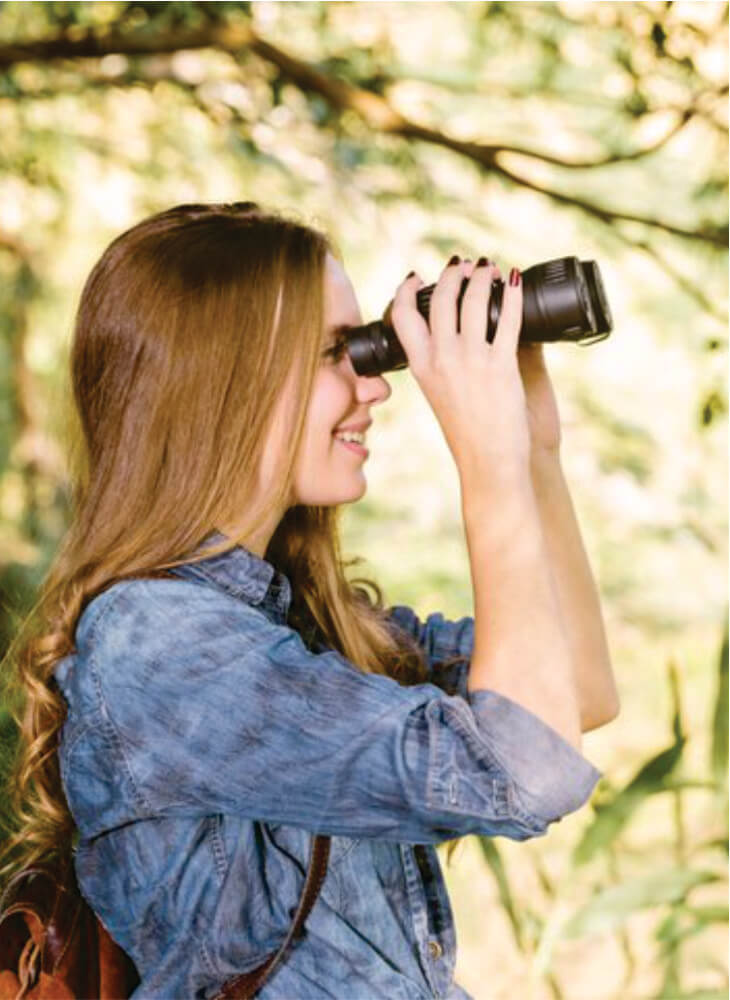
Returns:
(359, 449)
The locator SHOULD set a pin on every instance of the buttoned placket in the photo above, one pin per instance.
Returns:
(277, 599)
(428, 900)
(434, 949)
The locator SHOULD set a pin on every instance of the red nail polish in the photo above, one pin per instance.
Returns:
(454, 260)
(514, 277)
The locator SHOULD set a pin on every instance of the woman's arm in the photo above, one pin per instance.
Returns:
(521, 648)
(186, 700)
(577, 593)
(576, 590)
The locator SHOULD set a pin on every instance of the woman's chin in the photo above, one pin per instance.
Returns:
(354, 490)
(357, 491)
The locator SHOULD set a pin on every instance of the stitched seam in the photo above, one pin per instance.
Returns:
(207, 578)
(350, 847)
(220, 859)
(516, 788)
(108, 725)
(456, 709)
(68, 746)
(207, 961)
(435, 786)
(441, 794)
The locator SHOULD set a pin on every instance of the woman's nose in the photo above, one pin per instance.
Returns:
(372, 388)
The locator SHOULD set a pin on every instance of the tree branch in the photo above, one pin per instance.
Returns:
(603, 161)
(97, 42)
(716, 235)
(373, 108)
(690, 288)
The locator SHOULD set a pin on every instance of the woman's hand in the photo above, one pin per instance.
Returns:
(473, 387)
(543, 417)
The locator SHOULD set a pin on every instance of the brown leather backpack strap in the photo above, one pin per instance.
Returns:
(52, 945)
(246, 985)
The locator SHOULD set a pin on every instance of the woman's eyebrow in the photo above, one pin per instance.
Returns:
(335, 331)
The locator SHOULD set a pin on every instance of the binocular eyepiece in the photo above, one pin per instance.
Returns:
(562, 299)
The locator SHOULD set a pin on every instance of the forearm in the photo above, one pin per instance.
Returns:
(521, 647)
(577, 593)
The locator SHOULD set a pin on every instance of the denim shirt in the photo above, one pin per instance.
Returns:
(205, 744)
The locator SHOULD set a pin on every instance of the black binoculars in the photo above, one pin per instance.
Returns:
(562, 299)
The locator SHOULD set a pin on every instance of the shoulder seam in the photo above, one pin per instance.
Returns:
(107, 722)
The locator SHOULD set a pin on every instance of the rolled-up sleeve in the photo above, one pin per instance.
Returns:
(545, 777)
(441, 639)
(548, 777)
(216, 709)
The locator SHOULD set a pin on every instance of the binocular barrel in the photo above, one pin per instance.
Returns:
(562, 299)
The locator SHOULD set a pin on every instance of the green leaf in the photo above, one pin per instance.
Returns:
(494, 860)
(610, 907)
(612, 817)
(719, 750)
(685, 921)
(697, 995)
(721, 843)
(653, 777)
(710, 914)
(681, 783)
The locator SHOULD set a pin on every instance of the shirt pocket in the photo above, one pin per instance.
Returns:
(297, 844)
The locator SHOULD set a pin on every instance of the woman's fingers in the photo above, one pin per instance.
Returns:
(450, 327)
(442, 316)
(469, 383)
(409, 325)
(475, 306)
(507, 334)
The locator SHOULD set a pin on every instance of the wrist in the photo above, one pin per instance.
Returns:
(545, 461)
(499, 510)
(491, 482)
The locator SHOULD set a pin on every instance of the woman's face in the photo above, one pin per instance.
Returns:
(329, 470)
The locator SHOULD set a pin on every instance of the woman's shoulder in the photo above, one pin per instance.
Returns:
(142, 611)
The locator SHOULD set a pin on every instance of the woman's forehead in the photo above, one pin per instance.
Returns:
(341, 306)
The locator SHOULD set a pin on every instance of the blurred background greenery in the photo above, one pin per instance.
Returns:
(410, 131)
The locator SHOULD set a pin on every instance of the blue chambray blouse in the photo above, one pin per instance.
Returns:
(205, 744)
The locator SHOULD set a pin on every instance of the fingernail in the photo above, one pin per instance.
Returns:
(514, 277)
(454, 260)
(410, 275)
(483, 262)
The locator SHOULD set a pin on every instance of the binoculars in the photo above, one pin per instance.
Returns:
(562, 299)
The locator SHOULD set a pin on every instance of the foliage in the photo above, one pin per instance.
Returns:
(411, 131)
(669, 891)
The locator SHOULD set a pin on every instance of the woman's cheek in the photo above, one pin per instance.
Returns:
(336, 398)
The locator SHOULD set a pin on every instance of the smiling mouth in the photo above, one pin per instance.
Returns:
(353, 446)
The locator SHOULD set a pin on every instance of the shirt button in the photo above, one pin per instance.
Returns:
(434, 949)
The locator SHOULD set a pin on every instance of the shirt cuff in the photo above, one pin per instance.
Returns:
(549, 777)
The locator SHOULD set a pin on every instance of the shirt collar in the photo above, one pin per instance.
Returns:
(241, 573)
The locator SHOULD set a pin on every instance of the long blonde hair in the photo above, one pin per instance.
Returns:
(177, 361)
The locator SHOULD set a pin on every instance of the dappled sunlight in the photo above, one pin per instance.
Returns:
(524, 132)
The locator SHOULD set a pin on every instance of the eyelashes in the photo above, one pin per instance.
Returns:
(337, 349)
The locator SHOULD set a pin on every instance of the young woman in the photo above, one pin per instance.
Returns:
(205, 689)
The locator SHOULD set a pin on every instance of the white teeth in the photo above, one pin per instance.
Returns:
(351, 436)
